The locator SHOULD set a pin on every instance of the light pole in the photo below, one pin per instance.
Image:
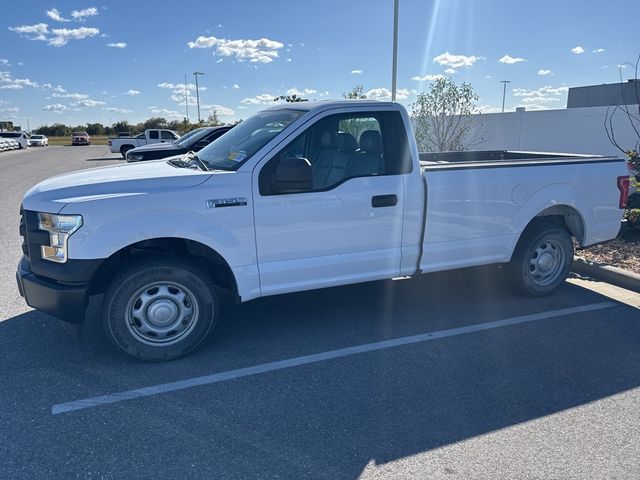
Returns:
(504, 91)
(195, 74)
(394, 73)
(186, 97)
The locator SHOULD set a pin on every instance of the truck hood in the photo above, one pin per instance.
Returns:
(54, 193)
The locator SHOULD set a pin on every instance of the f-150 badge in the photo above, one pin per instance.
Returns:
(227, 202)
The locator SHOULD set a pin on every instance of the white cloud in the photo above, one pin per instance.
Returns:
(117, 110)
(10, 109)
(7, 82)
(509, 60)
(488, 109)
(256, 51)
(356, 72)
(544, 73)
(450, 71)
(82, 14)
(117, 45)
(166, 113)
(258, 99)
(38, 31)
(385, 94)
(88, 103)
(540, 99)
(56, 107)
(456, 61)
(54, 14)
(427, 77)
(598, 50)
(132, 92)
(221, 111)
(62, 35)
(4, 61)
(72, 95)
(577, 50)
(235, 86)
(305, 91)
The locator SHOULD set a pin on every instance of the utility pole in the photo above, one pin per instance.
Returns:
(195, 74)
(394, 73)
(504, 91)
(186, 97)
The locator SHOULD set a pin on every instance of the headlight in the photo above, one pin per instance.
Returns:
(135, 156)
(60, 228)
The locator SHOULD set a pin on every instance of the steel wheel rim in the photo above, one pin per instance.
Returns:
(162, 313)
(546, 262)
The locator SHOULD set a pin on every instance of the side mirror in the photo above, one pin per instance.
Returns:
(293, 175)
(200, 145)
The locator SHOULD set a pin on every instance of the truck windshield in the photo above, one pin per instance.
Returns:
(232, 149)
(191, 136)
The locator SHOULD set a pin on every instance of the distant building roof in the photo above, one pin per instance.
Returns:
(605, 95)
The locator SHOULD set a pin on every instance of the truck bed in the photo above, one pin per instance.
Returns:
(504, 158)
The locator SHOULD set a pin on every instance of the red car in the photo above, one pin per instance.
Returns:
(80, 138)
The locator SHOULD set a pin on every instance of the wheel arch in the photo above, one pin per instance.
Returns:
(564, 215)
(216, 265)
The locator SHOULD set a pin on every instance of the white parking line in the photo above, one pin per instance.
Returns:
(314, 358)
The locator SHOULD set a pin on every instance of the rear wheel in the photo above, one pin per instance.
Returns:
(124, 149)
(160, 309)
(542, 259)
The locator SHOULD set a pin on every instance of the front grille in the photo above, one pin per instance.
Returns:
(23, 233)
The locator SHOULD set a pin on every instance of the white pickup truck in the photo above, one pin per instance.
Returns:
(297, 197)
(122, 145)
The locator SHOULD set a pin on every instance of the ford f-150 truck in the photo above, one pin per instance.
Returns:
(122, 145)
(300, 196)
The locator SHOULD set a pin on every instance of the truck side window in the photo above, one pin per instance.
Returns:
(343, 146)
(165, 135)
(154, 134)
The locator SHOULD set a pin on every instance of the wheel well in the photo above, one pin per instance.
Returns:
(216, 265)
(564, 215)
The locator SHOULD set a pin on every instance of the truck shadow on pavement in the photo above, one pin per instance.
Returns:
(331, 419)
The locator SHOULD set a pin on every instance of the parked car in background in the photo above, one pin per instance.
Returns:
(21, 137)
(122, 145)
(124, 134)
(39, 141)
(193, 141)
(80, 138)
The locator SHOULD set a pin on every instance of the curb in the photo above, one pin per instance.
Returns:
(606, 273)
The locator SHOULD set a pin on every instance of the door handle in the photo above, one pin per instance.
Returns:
(384, 201)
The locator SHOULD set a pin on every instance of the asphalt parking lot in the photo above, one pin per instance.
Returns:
(451, 376)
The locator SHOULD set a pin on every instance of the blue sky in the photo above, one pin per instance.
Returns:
(80, 61)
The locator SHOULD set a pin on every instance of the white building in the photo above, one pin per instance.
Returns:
(579, 129)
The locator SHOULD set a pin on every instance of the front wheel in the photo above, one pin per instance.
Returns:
(542, 259)
(160, 309)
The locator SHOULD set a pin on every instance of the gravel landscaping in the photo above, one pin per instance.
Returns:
(623, 252)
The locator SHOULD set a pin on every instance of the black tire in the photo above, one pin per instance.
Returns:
(138, 301)
(124, 149)
(542, 259)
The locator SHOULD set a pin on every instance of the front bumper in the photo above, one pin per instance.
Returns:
(62, 301)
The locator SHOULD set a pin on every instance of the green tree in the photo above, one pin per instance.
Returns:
(154, 122)
(356, 93)
(290, 98)
(121, 126)
(95, 129)
(442, 117)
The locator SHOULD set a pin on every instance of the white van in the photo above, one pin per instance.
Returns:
(21, 137)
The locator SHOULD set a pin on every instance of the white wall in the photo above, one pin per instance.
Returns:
(572, 130)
